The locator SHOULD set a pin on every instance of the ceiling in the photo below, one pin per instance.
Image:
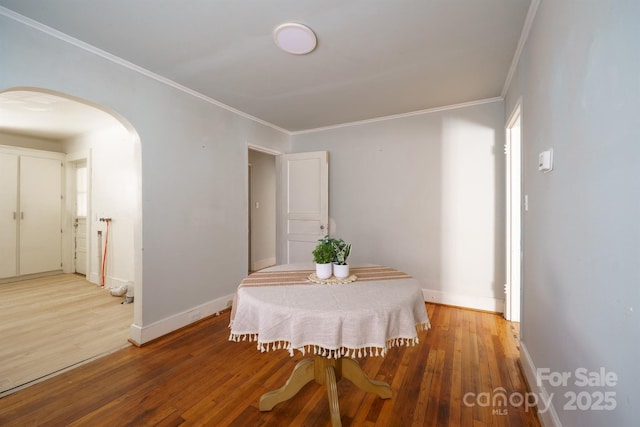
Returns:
(47, 116)
(374, 58)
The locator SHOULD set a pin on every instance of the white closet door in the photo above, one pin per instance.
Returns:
(40, 215)
(8, 214)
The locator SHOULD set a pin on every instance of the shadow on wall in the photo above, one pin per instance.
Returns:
(424, 194)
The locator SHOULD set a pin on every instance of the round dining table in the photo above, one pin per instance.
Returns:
(334, 321)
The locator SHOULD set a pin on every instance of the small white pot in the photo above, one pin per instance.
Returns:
(323, 271)
(341, 271)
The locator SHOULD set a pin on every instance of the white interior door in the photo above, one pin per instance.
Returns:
(40, 215)
(304, 204)
(8, 215)
(513, 165)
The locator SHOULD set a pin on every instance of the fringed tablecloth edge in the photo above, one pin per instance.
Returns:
(364, 351)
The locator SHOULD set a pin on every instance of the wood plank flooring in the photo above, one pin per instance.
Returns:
(51, 323)
(195, 376)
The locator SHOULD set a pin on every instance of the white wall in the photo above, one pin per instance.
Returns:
(191, 158)
(114, 194)
(424, 194)
(578, 80)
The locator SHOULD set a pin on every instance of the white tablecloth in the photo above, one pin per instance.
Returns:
(363, 318)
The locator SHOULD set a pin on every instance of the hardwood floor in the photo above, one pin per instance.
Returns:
(52, 323)
(195, 376)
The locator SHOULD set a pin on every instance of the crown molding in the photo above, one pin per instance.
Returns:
(131, 66)
(524, 36)
(399, 116)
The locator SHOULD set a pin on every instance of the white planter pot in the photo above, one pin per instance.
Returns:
(341, 271)
(323, 271)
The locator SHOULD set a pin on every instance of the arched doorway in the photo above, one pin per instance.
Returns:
(36, 122)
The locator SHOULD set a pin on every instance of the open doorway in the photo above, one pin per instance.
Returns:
(513, 167)
(262, 209)
(99, 166)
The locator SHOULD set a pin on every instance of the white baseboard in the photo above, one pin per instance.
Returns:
(466, 301)
(109, 281)
(263, 263)
(548, 418)
(143, 334)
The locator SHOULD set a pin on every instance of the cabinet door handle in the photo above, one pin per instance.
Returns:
(14, 215)
(21, 215)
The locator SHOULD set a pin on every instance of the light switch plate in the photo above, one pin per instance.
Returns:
(545, 161)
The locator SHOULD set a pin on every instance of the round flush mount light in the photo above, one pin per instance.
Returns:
(295, 38)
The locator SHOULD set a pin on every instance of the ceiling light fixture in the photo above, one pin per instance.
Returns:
(295, 38)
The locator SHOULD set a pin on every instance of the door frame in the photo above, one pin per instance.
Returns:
(73, 160)
(281, 235)
(514, 185)
(276, 154)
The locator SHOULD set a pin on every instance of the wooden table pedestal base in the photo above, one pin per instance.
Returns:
(324, 371)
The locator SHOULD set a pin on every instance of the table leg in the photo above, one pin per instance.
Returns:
(332, 393)
(352, 371)
(328, 372)
(302, 374)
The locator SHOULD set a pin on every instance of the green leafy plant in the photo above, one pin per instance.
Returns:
(341, 251)
(323, 252)
(331, 249)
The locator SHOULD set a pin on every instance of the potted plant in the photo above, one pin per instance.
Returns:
(323, 256)
(341, 251)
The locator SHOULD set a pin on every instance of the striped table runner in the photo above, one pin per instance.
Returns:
(301, 277)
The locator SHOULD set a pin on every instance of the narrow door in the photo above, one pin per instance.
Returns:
(249, 258)
(304, 203)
